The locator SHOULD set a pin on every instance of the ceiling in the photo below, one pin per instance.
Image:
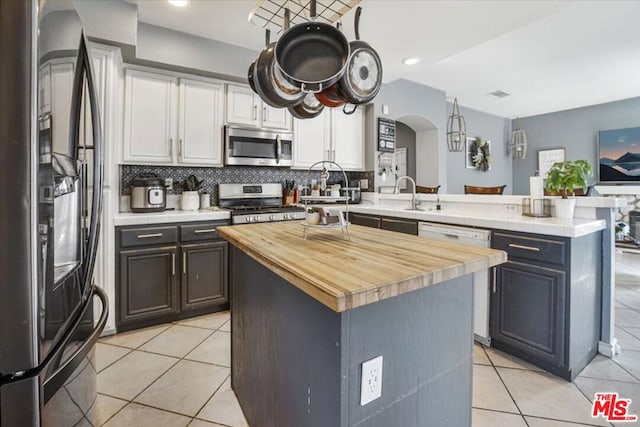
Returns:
(549, 55)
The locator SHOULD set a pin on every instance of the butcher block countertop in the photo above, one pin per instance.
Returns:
(374, 265)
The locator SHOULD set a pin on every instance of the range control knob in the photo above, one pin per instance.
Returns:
(256, 218)
(248, 219)
(272, 217)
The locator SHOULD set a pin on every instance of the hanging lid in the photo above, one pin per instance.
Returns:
(364, 72)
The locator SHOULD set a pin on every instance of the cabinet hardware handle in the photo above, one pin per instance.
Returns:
(210, 230)
(170, 147)
(255, 112)
(333, 157)
(528, 248)
(173, 264)
(451, 236)
(149, 236)
(328, 154)
(264, 113)
(184, 263)
(180, 148)
(495, 279)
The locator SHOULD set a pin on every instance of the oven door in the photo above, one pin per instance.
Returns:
(255, 147)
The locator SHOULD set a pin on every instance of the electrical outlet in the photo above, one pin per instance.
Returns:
(371, 386)
(364, 184)
(168, 183)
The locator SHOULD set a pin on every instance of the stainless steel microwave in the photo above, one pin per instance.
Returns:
(258, 147)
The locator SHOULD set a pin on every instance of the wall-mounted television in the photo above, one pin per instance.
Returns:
(619, 156)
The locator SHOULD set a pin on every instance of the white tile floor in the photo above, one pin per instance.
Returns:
(178, 375)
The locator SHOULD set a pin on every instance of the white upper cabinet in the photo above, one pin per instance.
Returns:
(311, 140)
(149, 117)
(200, 122)
(332, 136)
(172, 121)
(348, 139)
(244, 107)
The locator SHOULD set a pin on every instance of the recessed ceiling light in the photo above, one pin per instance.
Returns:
(411, 61)
(499, 94)
(178, 3)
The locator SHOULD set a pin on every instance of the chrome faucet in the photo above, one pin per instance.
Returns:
(414, 203)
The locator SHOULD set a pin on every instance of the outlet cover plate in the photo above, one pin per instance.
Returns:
(371, 384)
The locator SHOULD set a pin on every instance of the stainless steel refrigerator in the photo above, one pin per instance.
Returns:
(51, 311)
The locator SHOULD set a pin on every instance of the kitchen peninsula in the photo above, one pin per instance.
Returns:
(307, 313)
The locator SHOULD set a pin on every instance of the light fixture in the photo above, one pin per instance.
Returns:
(518, 142)
(411, 61)
(456, 129)
(178, 3)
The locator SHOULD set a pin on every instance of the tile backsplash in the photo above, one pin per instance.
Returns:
(229, 174)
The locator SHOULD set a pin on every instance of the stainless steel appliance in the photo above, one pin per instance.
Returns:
(50, 206)
(353, 193)
(471, 237)
(148, 193)
(258, 147)
(251, 203)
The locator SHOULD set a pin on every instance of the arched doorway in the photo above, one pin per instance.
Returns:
(417, 150)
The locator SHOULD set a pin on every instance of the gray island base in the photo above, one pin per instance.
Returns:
(297, 363)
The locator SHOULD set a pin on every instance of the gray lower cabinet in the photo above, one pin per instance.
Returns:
(169, 272)
(204, 275)
(545, 300)
(400, 225)
(148, 284)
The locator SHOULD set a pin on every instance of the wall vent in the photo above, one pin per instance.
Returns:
(499, 94)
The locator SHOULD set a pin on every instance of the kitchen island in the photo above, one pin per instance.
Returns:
(307, 313)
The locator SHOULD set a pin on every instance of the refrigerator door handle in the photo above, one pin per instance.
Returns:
(62, 373)
(84, 69)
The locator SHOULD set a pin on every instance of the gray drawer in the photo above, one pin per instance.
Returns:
(200, 231)
(406, 226)
(144, 236)
(363, 219)
(537, 249)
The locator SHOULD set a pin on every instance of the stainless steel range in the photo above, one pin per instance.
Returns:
(251, 203)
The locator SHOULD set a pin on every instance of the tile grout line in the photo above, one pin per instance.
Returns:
(213, 331)
(495, 369)
(211, 397)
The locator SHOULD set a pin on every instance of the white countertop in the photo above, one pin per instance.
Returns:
(130, 218)
(503, 221)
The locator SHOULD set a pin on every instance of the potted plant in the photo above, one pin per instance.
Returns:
(190, 199)
(564, 178)
(313, 216)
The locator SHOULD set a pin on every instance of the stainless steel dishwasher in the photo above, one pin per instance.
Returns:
(472, 237)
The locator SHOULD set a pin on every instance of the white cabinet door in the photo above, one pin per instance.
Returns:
(61, 89)
(311, 140)
(348, 139)
(276, 118)
(149, 117)
(200, 122)
(242, 106)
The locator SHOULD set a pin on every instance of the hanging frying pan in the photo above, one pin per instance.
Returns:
(312, 55)
(363, 75)
(309, 108)
(250, 76)
(329, 97)
(276, 95)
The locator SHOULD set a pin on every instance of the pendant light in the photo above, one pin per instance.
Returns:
(518, 142)
(456, 129)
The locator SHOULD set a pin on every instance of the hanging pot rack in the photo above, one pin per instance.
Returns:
(270, 13)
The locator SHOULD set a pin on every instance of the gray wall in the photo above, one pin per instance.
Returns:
(493, 128)
(406, 98)
(162, 46)
(576, 129)
(113, 20)
(406, 138)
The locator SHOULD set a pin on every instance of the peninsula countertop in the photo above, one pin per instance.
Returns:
(374, 265)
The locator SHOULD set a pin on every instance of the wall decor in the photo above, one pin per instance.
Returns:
(478, 154)
(456, 129)
(546, 159)
(386, 135)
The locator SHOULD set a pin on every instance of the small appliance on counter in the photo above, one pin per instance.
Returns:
(148, 193)
(349, 189)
